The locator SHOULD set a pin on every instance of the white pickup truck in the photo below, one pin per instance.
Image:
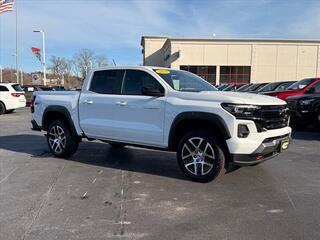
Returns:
(165, 109)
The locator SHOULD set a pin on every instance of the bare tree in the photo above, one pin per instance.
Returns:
(100, 61)
(58, 66)
(85, 60)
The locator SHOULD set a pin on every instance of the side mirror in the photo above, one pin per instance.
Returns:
(311, 90)
(152, 92)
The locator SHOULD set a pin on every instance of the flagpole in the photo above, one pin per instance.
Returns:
(17, 50)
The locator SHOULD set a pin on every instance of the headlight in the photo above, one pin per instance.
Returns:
(306, 101)
(241, 111)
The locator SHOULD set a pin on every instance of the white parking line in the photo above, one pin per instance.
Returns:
(6, 177)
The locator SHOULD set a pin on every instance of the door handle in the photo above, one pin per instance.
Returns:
(87, 101)
(121, 103)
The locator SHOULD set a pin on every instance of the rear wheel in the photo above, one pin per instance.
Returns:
(61, 142)
(200, 156)
(2, 108)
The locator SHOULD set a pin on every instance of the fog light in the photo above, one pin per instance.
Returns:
(243, 131)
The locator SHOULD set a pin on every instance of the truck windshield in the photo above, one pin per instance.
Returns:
(184, 81)
(300, 84)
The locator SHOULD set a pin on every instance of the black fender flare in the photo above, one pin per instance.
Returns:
(211, 117)
(61, 110)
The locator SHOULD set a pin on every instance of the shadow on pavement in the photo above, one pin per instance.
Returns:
(100, 154)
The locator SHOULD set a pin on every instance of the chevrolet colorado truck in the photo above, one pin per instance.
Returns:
(165, 109)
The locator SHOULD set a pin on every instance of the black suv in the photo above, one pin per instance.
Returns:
(305, 109)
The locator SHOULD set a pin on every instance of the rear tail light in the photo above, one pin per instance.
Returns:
(16, 94)
(33, 98)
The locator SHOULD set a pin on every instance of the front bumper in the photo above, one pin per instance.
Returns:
(269, 148)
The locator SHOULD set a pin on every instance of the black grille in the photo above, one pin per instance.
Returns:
(271, 117)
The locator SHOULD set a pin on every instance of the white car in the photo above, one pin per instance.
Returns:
(166, 109)
(11, 97)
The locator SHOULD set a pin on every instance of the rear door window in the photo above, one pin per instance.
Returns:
(17, 87)
(107, 81)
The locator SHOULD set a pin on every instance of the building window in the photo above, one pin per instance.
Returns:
(235, 74)
(206, 72)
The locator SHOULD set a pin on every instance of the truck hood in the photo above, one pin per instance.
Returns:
(232, 97)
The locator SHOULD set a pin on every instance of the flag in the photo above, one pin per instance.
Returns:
(36, 52)
(6, 6)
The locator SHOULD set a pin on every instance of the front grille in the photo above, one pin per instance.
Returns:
(271, 117)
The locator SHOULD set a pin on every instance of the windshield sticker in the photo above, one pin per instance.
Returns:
(162, 71)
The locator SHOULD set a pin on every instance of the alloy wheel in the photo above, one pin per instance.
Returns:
(57, 139)
(198, 156)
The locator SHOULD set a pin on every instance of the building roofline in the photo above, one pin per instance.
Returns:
(151, 37)
(244, 40)
(186, 39)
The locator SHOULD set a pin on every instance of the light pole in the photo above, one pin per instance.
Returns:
(43, 56)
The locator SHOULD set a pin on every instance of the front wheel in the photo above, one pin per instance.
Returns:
(200, 156)
(61, 142)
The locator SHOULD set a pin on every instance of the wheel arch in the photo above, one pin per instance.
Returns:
(195, 120)
(5, 108)
(52, 113)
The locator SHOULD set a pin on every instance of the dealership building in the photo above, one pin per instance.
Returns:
(235, 60)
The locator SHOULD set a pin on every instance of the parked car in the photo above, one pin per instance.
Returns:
(11, 97)
(244, 88)
(28, 90)
(171, 110)
(303, 86)
(270, 87)
(284, 85)
(222, 86)
(234, 86)
(255, 87)
(305, 109)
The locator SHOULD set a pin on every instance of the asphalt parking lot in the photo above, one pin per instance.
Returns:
(102, 193)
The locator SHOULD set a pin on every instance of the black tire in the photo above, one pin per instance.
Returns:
(68, 142)
(203, 160)
(2, 108)
(10, 111)
(117, 145)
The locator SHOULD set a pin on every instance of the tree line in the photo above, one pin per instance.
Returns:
(71, 71)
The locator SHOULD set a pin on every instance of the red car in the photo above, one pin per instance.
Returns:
(301, 87)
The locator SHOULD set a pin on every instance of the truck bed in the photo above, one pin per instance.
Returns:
(65, 99)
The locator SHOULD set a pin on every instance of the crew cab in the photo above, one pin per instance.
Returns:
(11, 97)
(301, 87)
(171, 110)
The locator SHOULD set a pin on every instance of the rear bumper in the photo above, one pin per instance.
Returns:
(268, 149)
(35, 126)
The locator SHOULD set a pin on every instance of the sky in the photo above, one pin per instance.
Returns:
(114, 28)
